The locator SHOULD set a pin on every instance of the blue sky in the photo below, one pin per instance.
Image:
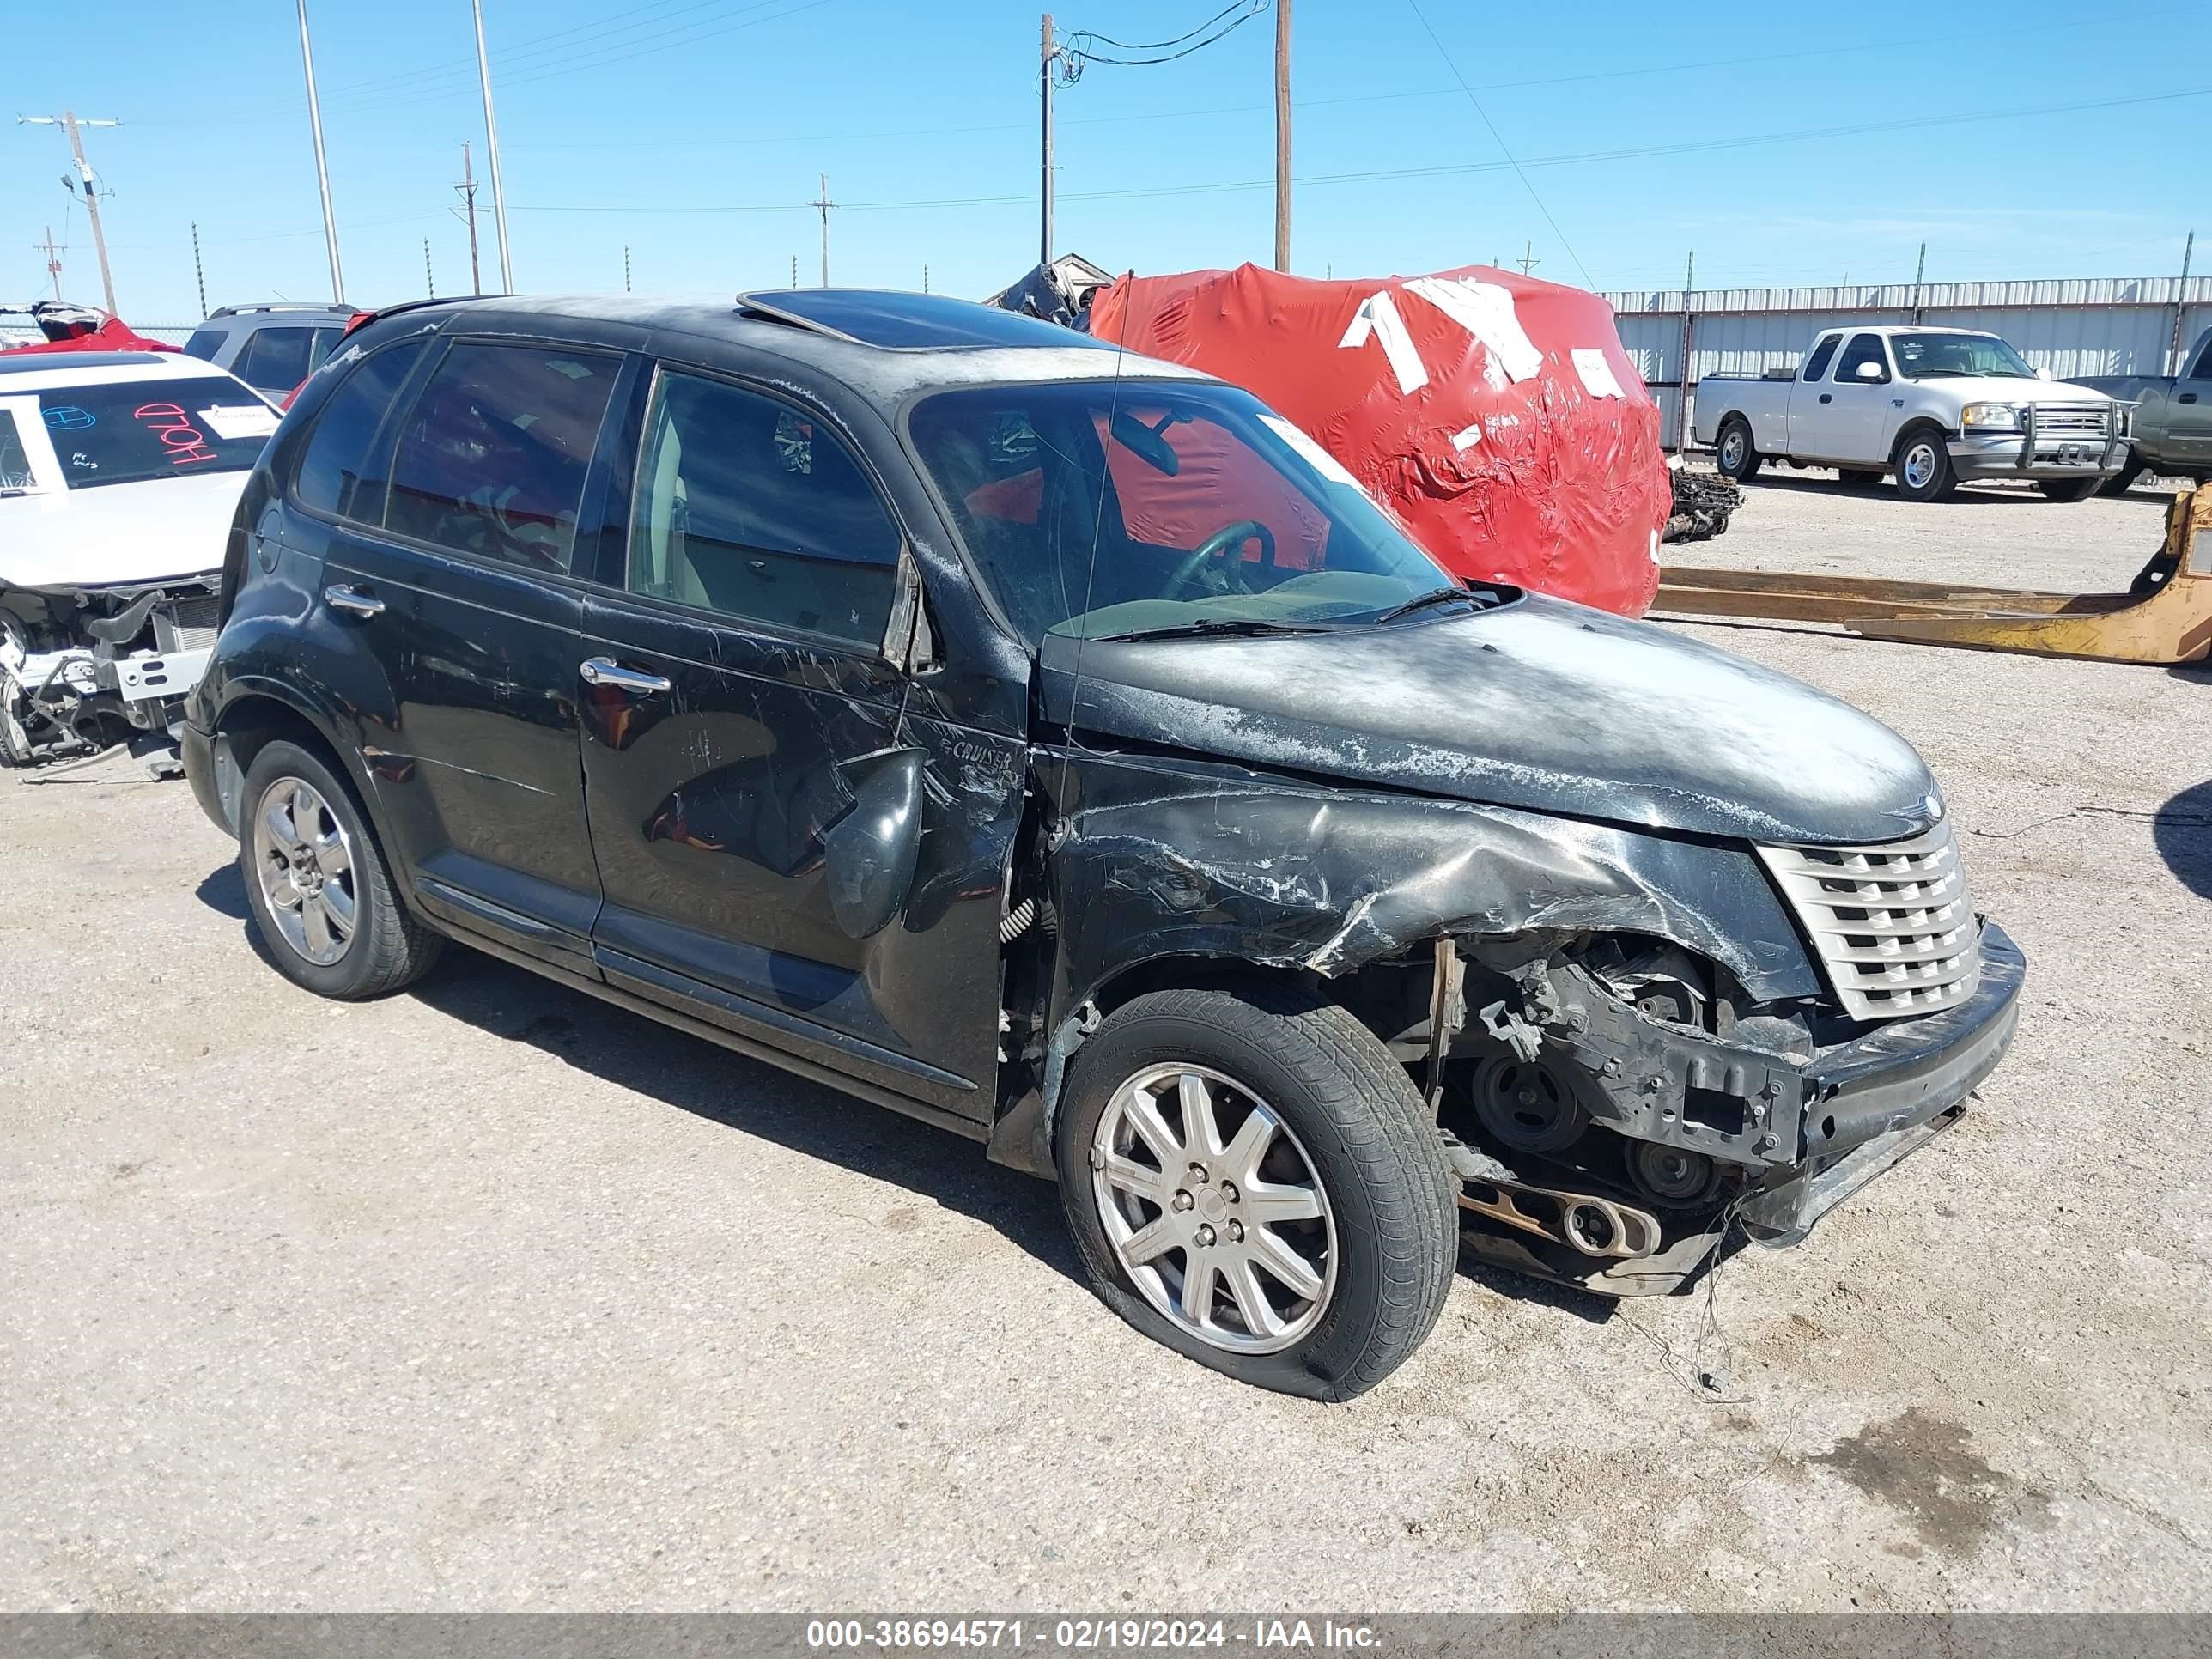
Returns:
(692, 131)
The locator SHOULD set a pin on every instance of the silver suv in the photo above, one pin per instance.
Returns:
(272, 347)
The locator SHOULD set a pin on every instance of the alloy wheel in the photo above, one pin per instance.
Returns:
(1214, 1209)
(304, 858)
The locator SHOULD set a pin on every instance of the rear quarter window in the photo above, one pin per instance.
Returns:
(336, 473)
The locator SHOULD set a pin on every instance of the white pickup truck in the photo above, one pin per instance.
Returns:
(1930, 405)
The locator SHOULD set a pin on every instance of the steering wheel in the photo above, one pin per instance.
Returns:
(1222, 542)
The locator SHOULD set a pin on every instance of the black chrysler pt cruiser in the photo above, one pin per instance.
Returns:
(1060, 747)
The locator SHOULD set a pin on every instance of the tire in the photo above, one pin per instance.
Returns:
(2124, 480)
(15, 741)
(1734, 452)
(1380, 1251)
(2069, 490)
(1922, 466)
(304, 850)
(1857, 476)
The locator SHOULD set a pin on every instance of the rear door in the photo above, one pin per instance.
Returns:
(744, 680)
(452, 565)
(1810, 399)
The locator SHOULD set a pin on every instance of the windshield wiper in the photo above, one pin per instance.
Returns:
(1206, 627)
(1423, 601)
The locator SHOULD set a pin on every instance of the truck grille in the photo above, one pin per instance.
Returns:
(2073, 420)
(1893, 924)
(187, 624)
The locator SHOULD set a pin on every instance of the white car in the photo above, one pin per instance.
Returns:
(1932, 406)
(120, 475)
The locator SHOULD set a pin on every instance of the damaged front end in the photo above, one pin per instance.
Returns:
(1633, 1040)
(83, 669)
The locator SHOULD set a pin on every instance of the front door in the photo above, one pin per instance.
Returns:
(455, 577)
(739, 694)
(1852, 427)
(2190, 413)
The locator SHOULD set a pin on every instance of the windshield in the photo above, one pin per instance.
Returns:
(1939, 356)
(1203, 506)
(130, 431)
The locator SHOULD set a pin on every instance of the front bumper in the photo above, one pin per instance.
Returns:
(2028, 453)
(1870, 1102)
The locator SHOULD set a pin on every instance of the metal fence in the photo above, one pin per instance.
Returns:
(2083, 326)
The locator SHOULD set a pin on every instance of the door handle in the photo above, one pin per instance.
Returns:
(1828, 397)
(2186, 398)
(598, 670)
(344, 596)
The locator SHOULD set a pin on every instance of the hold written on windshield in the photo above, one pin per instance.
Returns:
(183, 442)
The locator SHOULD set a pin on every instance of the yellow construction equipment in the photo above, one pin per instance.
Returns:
(2166, 617)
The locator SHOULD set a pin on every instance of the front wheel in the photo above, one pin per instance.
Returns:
(1252, 1181)
(2068, 490)
(2124, 480)
(1923, 467)
(317, 886)
(1736, 456)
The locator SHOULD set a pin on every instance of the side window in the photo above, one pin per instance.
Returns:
(1817, 364)
(333, 469)
(1863, 349)
(205, 342)
(276, 359)
(492, 458)
(2203, 369)
(752, 507)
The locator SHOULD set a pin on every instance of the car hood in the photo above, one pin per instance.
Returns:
(1539, 704)
(118, 534)
(2002, 389)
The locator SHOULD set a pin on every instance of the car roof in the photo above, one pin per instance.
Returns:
(299, 311)
(881, 343)
(26, 371)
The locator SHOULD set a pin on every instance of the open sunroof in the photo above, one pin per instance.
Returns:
(911, 322)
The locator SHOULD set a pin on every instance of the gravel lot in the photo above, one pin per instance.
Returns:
(485, 1296)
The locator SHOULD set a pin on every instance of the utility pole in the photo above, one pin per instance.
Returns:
(53, 252)
(466, 190)
(625, 267)
(1527, 261)
(825, 204)
(1282, 135)
(322, 172)
(1919, 272)
(794, 270)
(2180, 303)
(491, 143)
(429, 282)
(67, 120)
(1682, 396)
(925, 279)
(200, 275)
(1044, 93)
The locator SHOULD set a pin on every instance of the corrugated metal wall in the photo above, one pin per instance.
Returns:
(2083, 326)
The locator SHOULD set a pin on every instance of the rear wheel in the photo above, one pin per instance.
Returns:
(1923, 466)
(1734, 453)
(1252, 1181)
(2068, 490)
(317, 886)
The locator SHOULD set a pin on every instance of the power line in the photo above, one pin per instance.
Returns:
(534, 46)
(597, 58)
(1076, 54)
(1373, 175)
(1499, 139)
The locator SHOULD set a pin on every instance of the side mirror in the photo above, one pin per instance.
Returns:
(1868, 371)
(869, 855)
(2042, 374)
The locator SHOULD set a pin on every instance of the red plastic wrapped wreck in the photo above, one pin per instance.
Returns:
(1497, 415)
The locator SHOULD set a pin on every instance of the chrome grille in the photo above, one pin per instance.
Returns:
(1893, 924)
(188, 625)
(2074, 420)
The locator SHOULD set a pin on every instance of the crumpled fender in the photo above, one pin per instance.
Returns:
(1157, 857)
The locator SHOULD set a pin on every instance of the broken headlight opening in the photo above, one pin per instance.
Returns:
(1616, 1106)
(83, 670)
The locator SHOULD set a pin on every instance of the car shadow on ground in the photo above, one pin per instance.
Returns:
(1966, 495)
(2183, 832)
(694, 1075)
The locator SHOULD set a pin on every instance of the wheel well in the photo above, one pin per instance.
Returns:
(1919, 423)
(1193, 973)
(251, 724)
